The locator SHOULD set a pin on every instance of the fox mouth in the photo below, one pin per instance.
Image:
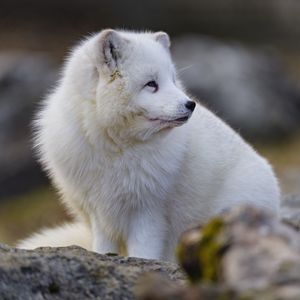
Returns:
(182, 119)
(175, 121)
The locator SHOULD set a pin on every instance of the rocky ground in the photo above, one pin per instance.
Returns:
(73, 273)
(243, 254)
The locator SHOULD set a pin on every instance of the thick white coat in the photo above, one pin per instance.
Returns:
(114, 149)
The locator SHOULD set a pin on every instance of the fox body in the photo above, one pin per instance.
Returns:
(134, 158)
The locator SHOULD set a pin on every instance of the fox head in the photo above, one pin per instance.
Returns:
(127, 83)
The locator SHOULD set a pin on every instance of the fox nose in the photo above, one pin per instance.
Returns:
(190, 105)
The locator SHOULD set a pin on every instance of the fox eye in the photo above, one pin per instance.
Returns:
(153, 85)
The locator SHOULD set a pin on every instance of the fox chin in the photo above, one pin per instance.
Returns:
(136, 159)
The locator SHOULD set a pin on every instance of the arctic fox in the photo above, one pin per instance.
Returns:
(134, 158)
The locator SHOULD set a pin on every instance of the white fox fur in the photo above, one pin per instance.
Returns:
(117, 143)
(68, 234)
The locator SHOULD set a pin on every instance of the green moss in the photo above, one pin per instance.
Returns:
(210, 250)
(200, 255)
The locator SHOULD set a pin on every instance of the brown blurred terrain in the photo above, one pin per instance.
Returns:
(261, 36)
(27, 213)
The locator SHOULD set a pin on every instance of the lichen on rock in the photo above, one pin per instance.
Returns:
(247, 251)
(200, 251)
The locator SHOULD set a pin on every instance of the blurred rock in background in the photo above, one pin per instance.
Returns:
(247, 88)
(243, 254)
(24, 79)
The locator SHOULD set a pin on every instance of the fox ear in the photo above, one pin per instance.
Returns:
(163, 38)
(112, 48)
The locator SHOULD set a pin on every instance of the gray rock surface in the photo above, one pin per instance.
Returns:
(24, 79)
(73, 273)
(290, 211)
(249, 89)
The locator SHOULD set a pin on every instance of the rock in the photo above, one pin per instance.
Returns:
(243, 254)
(290, 211)
(73, 273)
(157, 287)
(289, 176)
(247, 249)
(24, 79)
(262, 253)
(249, 89)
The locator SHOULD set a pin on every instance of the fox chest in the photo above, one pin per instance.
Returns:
(132, 185)
(127, 185)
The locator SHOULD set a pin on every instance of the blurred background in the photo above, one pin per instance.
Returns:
(239, 58)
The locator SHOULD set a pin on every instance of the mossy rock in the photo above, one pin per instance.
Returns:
(200, 250)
